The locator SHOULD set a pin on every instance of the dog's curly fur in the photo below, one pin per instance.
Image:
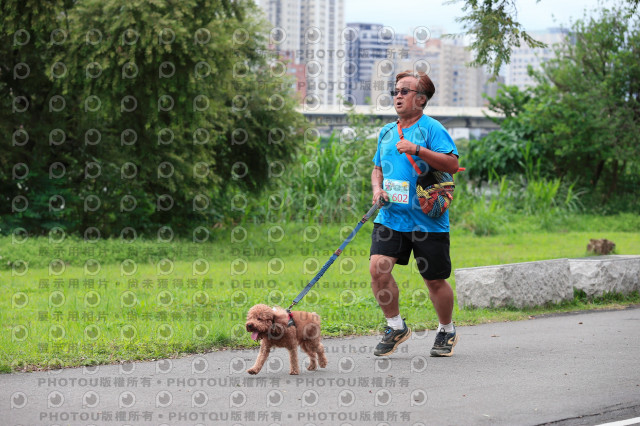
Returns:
(270, 326)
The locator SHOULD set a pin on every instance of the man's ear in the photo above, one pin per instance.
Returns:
(419, 102)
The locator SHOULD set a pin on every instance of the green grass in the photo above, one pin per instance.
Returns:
(78, 303)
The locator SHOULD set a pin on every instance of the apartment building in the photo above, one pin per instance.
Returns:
(310, 33)
(366, 45)
(522, 57)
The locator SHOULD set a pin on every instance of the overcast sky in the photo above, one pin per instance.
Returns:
(404, 15)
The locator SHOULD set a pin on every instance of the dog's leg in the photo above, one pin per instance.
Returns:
(322, 358)
(310, 350)
(293, 359)
(265, 347)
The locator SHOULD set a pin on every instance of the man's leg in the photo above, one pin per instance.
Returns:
(387, 294)
(441, 295)
(384, 286)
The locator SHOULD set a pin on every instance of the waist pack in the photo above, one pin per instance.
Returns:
(434, 188)
(435, 192)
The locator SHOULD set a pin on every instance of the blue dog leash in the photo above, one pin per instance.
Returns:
(381, 202)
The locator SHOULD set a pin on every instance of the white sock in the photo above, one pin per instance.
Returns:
(448, 328)
(395, 322)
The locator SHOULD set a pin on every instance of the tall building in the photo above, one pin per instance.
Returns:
(284, 15)
(310, 32)
(456, 83)
(366, 44)
(523, 56)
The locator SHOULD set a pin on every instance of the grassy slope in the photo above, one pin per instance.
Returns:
(83, 315)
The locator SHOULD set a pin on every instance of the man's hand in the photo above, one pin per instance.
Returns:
(437, 160)
(404, 146)
(380, 193)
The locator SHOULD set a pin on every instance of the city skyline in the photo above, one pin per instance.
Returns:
(306, 32)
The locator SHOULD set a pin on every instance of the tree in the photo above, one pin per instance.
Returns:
(32, 33)
(494, 28)
(163, 107)
(586, 108)
(508, 150)
(583, 117)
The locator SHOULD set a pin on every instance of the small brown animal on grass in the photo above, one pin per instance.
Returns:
(602, 246)
(271, 327)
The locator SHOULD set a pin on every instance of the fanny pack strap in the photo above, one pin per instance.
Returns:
(413, 163)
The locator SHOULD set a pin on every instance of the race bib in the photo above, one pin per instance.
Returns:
(398, 190)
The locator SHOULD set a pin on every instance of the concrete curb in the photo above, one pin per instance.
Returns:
(537, 283)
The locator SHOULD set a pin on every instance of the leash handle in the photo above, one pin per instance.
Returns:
(381, 202)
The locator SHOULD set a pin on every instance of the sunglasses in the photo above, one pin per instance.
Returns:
(404, 92)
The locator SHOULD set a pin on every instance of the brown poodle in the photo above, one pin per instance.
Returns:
(273, 328)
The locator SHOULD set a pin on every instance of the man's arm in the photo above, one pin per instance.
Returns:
(438, 160)
(376, 185)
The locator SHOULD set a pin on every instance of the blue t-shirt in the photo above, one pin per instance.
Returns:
(400, 177)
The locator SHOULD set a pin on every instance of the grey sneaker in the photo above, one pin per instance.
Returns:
(391, 339)
(443, 346)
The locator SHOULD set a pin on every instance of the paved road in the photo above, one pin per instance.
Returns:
(570, 369)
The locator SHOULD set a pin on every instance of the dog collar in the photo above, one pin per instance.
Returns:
(291, 322)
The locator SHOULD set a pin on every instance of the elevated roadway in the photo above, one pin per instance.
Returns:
(329, 118)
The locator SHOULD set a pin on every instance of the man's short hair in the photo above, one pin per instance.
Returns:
(425, 85)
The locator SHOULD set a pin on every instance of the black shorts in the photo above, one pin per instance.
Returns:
(430, 249)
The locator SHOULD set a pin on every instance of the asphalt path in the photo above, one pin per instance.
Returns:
(581, 368)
